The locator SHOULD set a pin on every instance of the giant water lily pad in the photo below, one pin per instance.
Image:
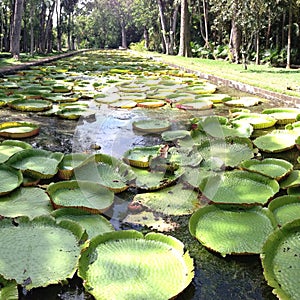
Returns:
(258, 121)
(141, 156)
(271, 167)
(173, 135)
(10, 179)
(129, 265)
(194, 105)
(107, 171)
(93, 224)
(232, 151)
(175, 200)
(40, 252)
(154, 180)
(30, 105)
(229, 229)
(18, 130)
(283, 115)
(69, 163)
(30, 202)
(239, 187)
(280, 261)
(10, 147)
(293, 180)
(276, 141)
(36, 163)
(285, 208)
(89, 196)
(215, 127)
(151, 125)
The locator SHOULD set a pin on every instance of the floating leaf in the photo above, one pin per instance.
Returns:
(293, 180)
(89, 196)
(151, 125)
(232, 229)
(271, 167)
(285, 208)
(283, 115)
(40, 252)
(10, 179)
(18, 130)
(239, 187)
(36, 163)
(30, 105)
(120, 265)
(10, 147)
(94, 224)
(280, 261)
(275, 141)
(30, 202)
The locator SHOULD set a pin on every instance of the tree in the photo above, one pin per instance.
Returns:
(16, 29)
(168, 11)
(184, 47)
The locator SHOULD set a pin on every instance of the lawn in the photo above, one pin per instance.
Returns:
(281, 80)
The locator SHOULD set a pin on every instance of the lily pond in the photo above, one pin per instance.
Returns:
(125, 178)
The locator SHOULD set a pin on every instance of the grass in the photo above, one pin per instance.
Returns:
(281, 80)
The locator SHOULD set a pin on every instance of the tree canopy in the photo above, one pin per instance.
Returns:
(237, 30)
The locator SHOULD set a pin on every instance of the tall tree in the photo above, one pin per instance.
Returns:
(16, 29)
(168, 12)
(184, 46)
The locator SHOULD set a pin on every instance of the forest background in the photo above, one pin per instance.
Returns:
(252, 31)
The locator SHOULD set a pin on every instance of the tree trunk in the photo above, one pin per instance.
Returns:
(165, 33)
(289, 42)
(16, 29)
(205, 15)
(184, 47)
(58, 26)
(235, 41)
(48, 30)
(124, 37)
(146, 38)
(257, 61)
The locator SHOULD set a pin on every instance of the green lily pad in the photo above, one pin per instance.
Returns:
(194, 105)
(18, 130)
(69, 163)
(40, 252)
(121, 265)
(280, 261)
(174, 200)
(89, 196)
(293, 180)
(239, 187)
(10, 147)
(275, 141)
(36, 163)
(71, 113)
(151, 125)
(214, 98)
(94, 224)
(258, 121)
(107, 171)
(283, 115)
(123, 104)
(285, 208)
(215, 127)
(271, 167)
(30, 202)
(232, 229)
(173, 135)
(153, 180)
(150, 103)
(140, 156)
(232, 151)
(10, 179)
(30, 105)
(184, 156)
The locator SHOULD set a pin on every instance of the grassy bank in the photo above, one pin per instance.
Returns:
(281, 80)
